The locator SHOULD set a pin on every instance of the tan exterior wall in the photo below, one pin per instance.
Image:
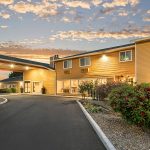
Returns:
(48, 77)
(113, 67)
(18, 87)
(143, 62)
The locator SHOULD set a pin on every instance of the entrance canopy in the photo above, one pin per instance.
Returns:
(20, 65)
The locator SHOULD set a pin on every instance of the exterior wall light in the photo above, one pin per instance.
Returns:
(12, 66)
(104, 58)
(27, 68)
(21, 84)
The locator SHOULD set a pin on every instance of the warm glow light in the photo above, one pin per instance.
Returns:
(12, 66)
(27, 68)
(104, 58)
(21, 84)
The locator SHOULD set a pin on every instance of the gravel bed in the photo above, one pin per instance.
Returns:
(122, 135)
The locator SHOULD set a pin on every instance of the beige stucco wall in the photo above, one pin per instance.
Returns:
(47, 77)
(143, 62)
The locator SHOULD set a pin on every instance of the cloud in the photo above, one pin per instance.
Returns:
(107, 11)
(146, 19)
(5, 15)
(35, 41)
(123, 13)
(6, 2)
(92, 36)
(76, 3)
(22, 7)
(65, 19)
(123, 3)
(115, 3)
(148, 12)
(52, 39)
(97, 2)
(39, 9)
(3, 27)
(134, 2)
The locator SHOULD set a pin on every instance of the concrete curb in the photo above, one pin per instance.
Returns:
(3, 102)
(98, 130)
(10, 94)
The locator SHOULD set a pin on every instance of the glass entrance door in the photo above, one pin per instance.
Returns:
(37, 86)
(27, 87)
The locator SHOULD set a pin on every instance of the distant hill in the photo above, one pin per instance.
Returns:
(41, 55)
(36, 54)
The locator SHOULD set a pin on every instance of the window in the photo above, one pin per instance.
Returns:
(85, 61)
(67, 64)
(125, 56)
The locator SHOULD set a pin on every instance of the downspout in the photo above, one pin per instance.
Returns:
(135, 63)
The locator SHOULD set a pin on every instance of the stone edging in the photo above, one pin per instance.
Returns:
(98, 130)
(3, 102)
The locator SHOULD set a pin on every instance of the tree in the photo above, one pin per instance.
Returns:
(15, 74)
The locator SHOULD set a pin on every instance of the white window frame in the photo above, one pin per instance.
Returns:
(85, 65)
(125, 54)
(68, 67)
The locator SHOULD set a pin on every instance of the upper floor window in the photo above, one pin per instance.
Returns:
(126, 56)
(85, 61)
(67, 64)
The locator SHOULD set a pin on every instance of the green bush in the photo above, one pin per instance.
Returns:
(13, 90)
(92, 108)
(85, 87)
(8, 90)
(133, 102)
(102, 91)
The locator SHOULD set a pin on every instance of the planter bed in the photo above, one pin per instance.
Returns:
(122, 135)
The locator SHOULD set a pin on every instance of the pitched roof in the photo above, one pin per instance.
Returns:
(96, 51)
(142, 40)
(13, 79)
(25, 61)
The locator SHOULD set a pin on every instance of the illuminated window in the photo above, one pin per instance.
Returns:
(67, 64)
(85, 61)
(125, 56)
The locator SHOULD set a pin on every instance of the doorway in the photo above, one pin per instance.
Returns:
(27, 86)
(37, 86)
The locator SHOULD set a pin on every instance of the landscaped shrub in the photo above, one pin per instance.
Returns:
(133, 102)
(13, 90)
(8, 90)
(85, 87)
(102, 91)
(92, 108)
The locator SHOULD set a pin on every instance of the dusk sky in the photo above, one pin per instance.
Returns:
(73, 24)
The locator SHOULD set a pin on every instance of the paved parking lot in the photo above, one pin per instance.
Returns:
(45, 123)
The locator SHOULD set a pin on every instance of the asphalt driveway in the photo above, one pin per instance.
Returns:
(45, 123)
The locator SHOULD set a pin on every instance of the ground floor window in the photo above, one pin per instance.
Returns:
(71, 86)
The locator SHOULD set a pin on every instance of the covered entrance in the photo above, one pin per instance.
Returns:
(36, 75)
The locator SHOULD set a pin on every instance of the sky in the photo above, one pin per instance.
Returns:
(73, 24)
